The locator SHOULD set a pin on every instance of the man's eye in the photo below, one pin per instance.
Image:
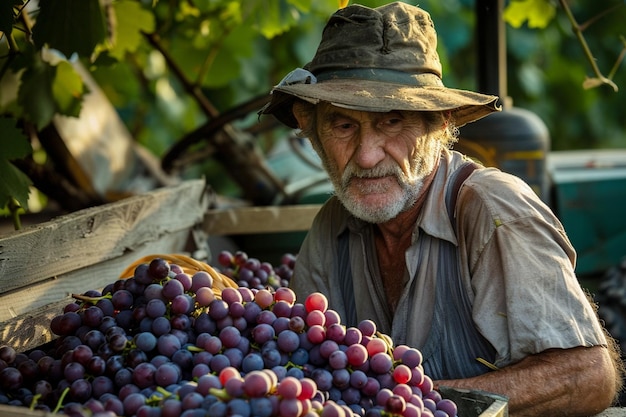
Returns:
(392, 125)
(344, 129)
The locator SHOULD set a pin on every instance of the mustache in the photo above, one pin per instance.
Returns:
(379, 171)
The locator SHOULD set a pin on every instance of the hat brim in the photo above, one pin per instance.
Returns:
(375, 96)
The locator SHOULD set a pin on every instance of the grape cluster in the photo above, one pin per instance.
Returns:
(163, 343)
(252, 273)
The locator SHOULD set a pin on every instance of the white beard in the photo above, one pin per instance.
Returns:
(397, 199)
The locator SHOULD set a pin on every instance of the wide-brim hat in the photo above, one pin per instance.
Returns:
(378, 60)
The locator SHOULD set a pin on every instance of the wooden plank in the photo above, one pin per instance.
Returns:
(250, 220)
(91, 236)
(12, 411)
(20, 308)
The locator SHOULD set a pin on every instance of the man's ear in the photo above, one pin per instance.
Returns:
(302, 113)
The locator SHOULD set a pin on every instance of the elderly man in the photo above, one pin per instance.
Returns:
(461, 261)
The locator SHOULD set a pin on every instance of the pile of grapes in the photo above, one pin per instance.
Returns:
(252, 273)
(165, 343)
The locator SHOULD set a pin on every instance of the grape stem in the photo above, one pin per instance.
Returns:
(488, 364)
(220, 393)
(34, 401)
(194, 348)
(60, 402)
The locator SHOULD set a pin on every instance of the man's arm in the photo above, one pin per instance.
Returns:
(579, 381)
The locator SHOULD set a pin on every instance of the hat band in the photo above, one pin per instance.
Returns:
(383, 75)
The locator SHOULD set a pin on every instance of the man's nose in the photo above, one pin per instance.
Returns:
(370, 150)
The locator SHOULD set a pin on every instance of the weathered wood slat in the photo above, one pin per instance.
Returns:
(24, 318)
(250, 220)
(91, 236)
(11, 411)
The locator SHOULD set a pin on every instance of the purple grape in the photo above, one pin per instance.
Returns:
(101, 385)
(92, 316)
(447, 406)
(161, 326)
(167, 344)
(10, 379)
(172, 288)
(145, 341)
(201, 279)
(122, 299)
(182, 304)
(132, 403)
(381, 363)
(159, 268)
(230, 336)
(167, 374)
(143, 374)
(74, 371)
(80, 390)
(288, 341)
(184, 279)
(142, 275)
(156, 308)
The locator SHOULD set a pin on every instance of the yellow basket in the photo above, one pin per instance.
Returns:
(189, 266)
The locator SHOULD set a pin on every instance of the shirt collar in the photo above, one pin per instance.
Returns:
(433, 218)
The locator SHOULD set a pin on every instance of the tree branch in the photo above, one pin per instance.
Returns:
(600, 79)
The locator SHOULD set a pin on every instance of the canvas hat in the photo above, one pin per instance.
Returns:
(377, 60)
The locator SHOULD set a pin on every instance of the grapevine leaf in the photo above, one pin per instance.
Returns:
(305, 5)
(275, 18)
(70, 26)
(15, 184)
(6, 15)
(35, 95)
(132, 19)
(14, 143)
(67, 89)
(538, 13)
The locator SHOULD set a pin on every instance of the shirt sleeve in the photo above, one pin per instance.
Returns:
(526, 294)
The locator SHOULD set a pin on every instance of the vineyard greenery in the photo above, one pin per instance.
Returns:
(169, 67)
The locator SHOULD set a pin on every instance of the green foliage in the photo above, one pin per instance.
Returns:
(6, 15)
(537, 13)
(151, 57)
(59, 22)
(131, 20)
(15, 184)
(141, 54)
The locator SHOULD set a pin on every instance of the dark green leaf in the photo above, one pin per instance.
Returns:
(70, 26)
(15, 184)
(6, 15)
(14, 143)
(35, 95)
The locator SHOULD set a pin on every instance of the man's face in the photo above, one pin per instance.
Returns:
(376, 161)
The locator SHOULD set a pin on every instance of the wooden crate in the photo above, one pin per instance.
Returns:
(42, 265)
